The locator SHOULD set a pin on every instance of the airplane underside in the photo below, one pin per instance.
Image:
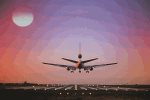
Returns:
(87, 70)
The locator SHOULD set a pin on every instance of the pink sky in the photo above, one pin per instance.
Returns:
(114, 31)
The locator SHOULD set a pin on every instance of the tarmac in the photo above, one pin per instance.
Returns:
(73, 92)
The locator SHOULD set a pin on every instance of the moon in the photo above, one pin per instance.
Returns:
(22, 17)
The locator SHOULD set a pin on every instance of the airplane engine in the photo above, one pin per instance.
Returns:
(68, 68)
(91, 68)
(85, 68)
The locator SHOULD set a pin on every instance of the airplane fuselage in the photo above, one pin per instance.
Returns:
(80, 65)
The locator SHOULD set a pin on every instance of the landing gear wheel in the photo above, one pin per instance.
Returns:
(87, 71)
(72, 71)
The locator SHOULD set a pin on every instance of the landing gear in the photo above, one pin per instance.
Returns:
(79, 71)
(87, 71)
(72, 71)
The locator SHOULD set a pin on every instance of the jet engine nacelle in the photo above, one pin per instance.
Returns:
(72, 69)
(91, 68)
(85, 68)
(68, 68)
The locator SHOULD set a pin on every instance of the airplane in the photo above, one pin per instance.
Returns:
(79, 64)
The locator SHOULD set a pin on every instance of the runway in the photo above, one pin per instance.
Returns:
(79, 87)
(74, 92)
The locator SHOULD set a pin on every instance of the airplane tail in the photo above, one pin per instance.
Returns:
(80, 55)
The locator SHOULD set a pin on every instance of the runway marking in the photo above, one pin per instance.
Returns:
(75, 87)
(102, 88)
(68, 88)
(59, 88)
(30, 87)
(92, 88)
(122, 88)
(83, 88)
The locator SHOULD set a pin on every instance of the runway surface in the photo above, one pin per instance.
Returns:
(79, 87)
(74, 92)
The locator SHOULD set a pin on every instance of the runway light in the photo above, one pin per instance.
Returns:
(136, 90)
(60, 93)
(106, 89)
(90, 93)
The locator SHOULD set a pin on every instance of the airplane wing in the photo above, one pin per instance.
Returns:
(89, 60)
(101, 65)
(60, 65)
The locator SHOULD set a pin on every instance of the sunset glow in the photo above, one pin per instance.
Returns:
(111, 30)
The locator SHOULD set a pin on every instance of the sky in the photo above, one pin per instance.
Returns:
(111, 30)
